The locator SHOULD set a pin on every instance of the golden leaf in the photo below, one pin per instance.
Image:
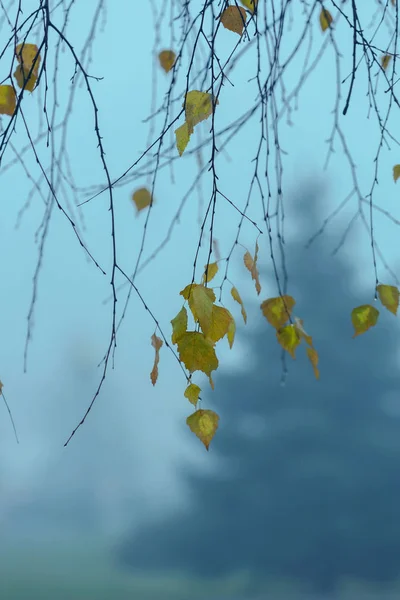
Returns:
(192, 393)
(363, 318)
(201, 301)
(234, 18)
(278, 310)
(182, 138)
(325, 19)
(28, 58)
(7, 100)
(251, 265)
(231, 333)
(298, 323)
(210, 272)
(313, 356)
(179, 325)
(167, 59)
(236, 296)
(156, 342)
(197, 353)
(221, 319)
(250, 4)
(198, 107)
(22, 76)
(289, 339)
(141, 198)
(204, 424)
(389, 296)
(385, 60)
(396, 172)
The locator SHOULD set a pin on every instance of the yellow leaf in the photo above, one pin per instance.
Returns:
(26, 55)
(1, 387)
(236, 296)
(251, 265)
(156, 342)
(198, 107)
(201, 301)
(325, 19)
(210, 272)
(250, 4)
(298, 323)
(221, 319)
(22, 76)
(385, 60)
(182, 137)
(396, 172)
(363, 318)
(192, 393)
(231, 333)
(289, 339)
(389, 296)
(197, 353)
(313, 356)
(141, 198)
(167, 59)
(234, 18)
(204, 424)
(7, 100)
(179, 325)
(278, 310)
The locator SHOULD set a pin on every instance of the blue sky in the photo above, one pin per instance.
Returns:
(72, 324)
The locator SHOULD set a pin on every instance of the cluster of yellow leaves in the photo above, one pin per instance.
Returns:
(196, 347)
(234, 19)
(141, 198)
(26, 73)
(198, 107)
(325, 19)
(167, 59)
(366, 316)
(278, 311)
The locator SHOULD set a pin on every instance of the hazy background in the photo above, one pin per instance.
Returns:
(134, 485)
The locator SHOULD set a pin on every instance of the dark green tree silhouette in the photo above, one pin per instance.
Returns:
(309, 485)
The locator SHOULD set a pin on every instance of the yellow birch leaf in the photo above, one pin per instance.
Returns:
(26, 55)
(210, 272)
(389, 296)
(396, 172)
(192, 393)
(278, 310)
(314, 358)
(156, 342)
(385, 60)
(7, 100)
(298, 323)
(197, 353)
(201, 301)
(236, 296)
(179, 325)
(325, 19)
(141, 198)
(167, 59)
(1, 387)
(231, 333)
(363, 318)
(250, 4)
(198, 107)
(251, 265)
(22, 76)
(289, 339)
(221, 318)
(234, 18)
(182, 137)
(204, 424)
